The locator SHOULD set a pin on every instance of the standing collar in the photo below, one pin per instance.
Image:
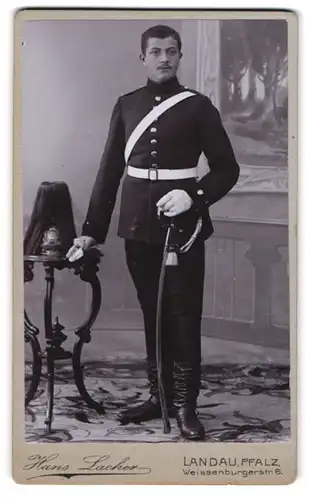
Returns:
(168, 87)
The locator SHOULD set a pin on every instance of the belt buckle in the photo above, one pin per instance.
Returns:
(155, 175)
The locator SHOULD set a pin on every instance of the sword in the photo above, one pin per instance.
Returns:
(169, 259)
(164, 411)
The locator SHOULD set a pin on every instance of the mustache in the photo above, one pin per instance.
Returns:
(165, 67)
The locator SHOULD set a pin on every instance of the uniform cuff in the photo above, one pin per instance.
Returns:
(200, 202)
(88, 230)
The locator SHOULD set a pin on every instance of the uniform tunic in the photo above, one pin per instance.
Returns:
(173, 141)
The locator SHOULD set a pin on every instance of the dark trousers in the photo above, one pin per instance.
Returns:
(182, 300)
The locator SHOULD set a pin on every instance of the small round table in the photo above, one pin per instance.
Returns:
(86, 268)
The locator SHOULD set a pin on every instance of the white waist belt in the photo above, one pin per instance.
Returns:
(161, 174)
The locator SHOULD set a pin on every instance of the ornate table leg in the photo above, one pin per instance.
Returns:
(88, 274)
(30, 335)
(49, 285)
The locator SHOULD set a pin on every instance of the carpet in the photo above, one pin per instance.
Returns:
(241, 403)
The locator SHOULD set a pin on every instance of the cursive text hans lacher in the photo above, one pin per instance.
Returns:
(101, 463)
(91, 465)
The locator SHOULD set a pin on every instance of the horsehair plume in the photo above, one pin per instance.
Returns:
(52, 207)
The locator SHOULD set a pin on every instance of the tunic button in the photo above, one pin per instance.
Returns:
(154, 165)
(158, 98)
(153, 141)
(154, 153)
(153, 130)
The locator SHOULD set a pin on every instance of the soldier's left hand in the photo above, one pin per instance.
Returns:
(175, 202)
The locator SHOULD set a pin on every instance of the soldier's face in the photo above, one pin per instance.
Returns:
(162, 58)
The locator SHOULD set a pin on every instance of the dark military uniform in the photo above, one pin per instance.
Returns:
(173, 141)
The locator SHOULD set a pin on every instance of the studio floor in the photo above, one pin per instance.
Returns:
(244, 394)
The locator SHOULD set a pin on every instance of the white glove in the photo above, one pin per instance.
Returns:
(174, 203)
(79, 245)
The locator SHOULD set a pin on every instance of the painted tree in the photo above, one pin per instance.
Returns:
(267, 43)
(234, 61)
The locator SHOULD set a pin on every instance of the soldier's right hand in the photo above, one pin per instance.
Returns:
(79, 246)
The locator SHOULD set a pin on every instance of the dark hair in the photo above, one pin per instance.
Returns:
(159, 31)
(52, 207)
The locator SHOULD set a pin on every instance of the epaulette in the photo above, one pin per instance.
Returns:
(195, 91)
(132, 92)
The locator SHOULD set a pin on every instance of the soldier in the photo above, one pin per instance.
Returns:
(160, 157)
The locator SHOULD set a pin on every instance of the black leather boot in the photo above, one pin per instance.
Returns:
(186, 391)
(150, 409)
